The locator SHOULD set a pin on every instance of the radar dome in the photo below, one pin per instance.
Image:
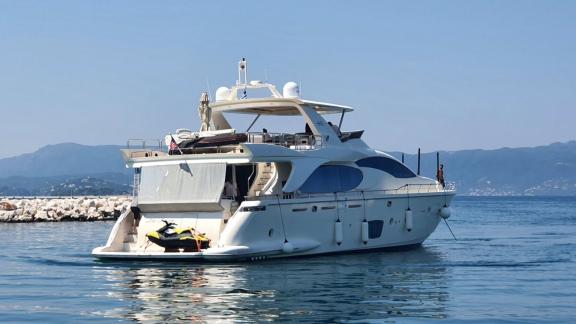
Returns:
(222, 94)
(291, 90)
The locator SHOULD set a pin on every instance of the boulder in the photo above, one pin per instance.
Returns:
(99, 203)
(92, 214)
(52, 215)
(74, 215)
(6, 205)
(5, 216)
(40, 216)
(23, 218)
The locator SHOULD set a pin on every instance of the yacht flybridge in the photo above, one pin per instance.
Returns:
(222, 194)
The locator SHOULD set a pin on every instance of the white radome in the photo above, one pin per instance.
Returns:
(222, 94)
(291, 90)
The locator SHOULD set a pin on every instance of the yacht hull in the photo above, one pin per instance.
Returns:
(269, 229)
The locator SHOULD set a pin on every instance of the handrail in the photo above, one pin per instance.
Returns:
(140, 143)
(251, 174)
(299, 142)
(405, 189)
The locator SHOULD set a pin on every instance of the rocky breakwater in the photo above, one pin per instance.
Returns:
(24, 210)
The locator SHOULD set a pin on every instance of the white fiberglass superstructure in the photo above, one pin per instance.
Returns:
(255, 195)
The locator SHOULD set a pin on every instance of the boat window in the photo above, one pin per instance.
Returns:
(332, 178)
(172, 184)
(387, 165)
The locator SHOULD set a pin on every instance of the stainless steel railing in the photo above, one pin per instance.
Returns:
(407, 189)
(146, 144)
(299, 142)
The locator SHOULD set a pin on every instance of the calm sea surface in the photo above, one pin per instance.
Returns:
(514, 261)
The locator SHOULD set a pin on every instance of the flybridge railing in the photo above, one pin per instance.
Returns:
(145, 144)
(299, 142)
(408, 189)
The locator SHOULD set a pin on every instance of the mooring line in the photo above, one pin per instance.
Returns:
(445, 221)
(281, 218)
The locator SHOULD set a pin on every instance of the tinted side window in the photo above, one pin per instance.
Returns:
(387, 165)
(332, 178)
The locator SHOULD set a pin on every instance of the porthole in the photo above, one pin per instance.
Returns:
(270, 232)
(389, 203)
(314, 208)
(391, 220)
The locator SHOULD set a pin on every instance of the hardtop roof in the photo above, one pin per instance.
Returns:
(276, 106)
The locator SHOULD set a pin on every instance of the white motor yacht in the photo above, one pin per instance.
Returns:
(220, 194)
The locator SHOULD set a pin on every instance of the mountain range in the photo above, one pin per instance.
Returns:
(66, 169)
(75, 169)
(533, 171)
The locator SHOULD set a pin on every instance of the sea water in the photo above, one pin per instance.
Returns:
(514, 260)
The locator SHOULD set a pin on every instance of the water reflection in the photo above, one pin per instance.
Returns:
(335, 288)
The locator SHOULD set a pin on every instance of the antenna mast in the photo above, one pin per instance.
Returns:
(242, 72)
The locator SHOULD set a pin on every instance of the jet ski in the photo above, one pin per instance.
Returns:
(173, 239)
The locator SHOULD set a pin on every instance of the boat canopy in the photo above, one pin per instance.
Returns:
(277, 106)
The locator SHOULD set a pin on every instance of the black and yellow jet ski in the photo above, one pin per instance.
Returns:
(173, 239)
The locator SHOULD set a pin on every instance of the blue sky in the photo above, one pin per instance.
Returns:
(443, 75)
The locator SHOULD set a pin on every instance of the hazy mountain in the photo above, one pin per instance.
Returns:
(66, 169)
(542, 170)
(65, 159)
(69, 168)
